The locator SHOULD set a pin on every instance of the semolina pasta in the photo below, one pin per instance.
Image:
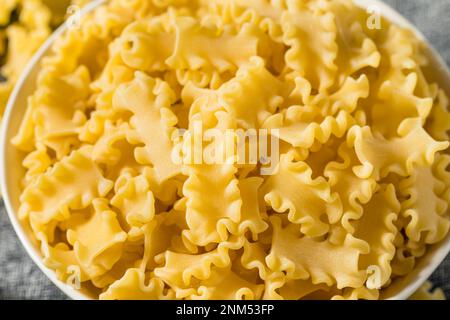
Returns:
(358, 192)
(24, 26)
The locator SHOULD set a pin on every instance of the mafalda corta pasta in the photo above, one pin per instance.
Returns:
(360, 190)
(24, 26)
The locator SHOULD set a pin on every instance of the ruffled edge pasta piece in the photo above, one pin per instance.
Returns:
(133, 286)
(312, 199)
(377, 228)
(380, 156)
(427, 192)
(71, 183)
(323, 262)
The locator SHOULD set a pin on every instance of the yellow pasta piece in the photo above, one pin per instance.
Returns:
(134, 198)
(377, 228)
(70, 184)
(380, 156)
(303, 126)
(427, 201)
(353, 190)
(305, 199)
(227, 285)
(359, 191)
(208, 219)
(438, 123)
(136, 96)
(133, 286)
(299, 26)
(322, 261)
(98, 242)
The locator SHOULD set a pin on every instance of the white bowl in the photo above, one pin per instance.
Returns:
(10, 158)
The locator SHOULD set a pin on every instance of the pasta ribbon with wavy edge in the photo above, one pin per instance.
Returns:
(25, 36)
(438, 123)
(305, 199)
(377, 228)
(345, 98)
(353, 191)
(299, 27)
(262, 13)
(323, 262)
(104, 151)
(302, 126)
(53, 123)
(60, 258)
(380, 156)
(254, 257)
(133, 286)
(253, 95)
(149, 100)
(208, 216)
(427, 192)
(396, 102)
(180, 270)
(98, 242)
(134, 199)
(197, 231)
(252, 214)
(357, 294)
(225, 284)
(182, 43)
(72, 183)
(356, 49)
(298, 289)
(36, 162)
(159, 239)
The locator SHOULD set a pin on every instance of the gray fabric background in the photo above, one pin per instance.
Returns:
(21, 279)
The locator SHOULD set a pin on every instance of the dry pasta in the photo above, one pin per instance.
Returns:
(361, 188)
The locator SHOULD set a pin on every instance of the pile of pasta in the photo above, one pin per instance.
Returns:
(24, 26)
(361, 189)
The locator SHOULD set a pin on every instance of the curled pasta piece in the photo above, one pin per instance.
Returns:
(380, 156)
(396, 102)
(353, 191)
(252, 216)
(302, 126)
(98, 242)
(134, 286)
(224, 284)
(134, 198)
(305, 199)
(438, 124)
(306, 45)
(208, 217)
(71, 183)
(358, 294)
(377, 228)
(61, 258)
(252, 95)
(356, 49)
(182, 43)
(137, 96)
(322, 261)
(54, 124)
(180, 269)
(427, 202)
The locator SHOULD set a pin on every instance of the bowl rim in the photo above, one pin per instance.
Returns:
(386, 11)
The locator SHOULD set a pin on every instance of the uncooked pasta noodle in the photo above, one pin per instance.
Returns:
(358, 192)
